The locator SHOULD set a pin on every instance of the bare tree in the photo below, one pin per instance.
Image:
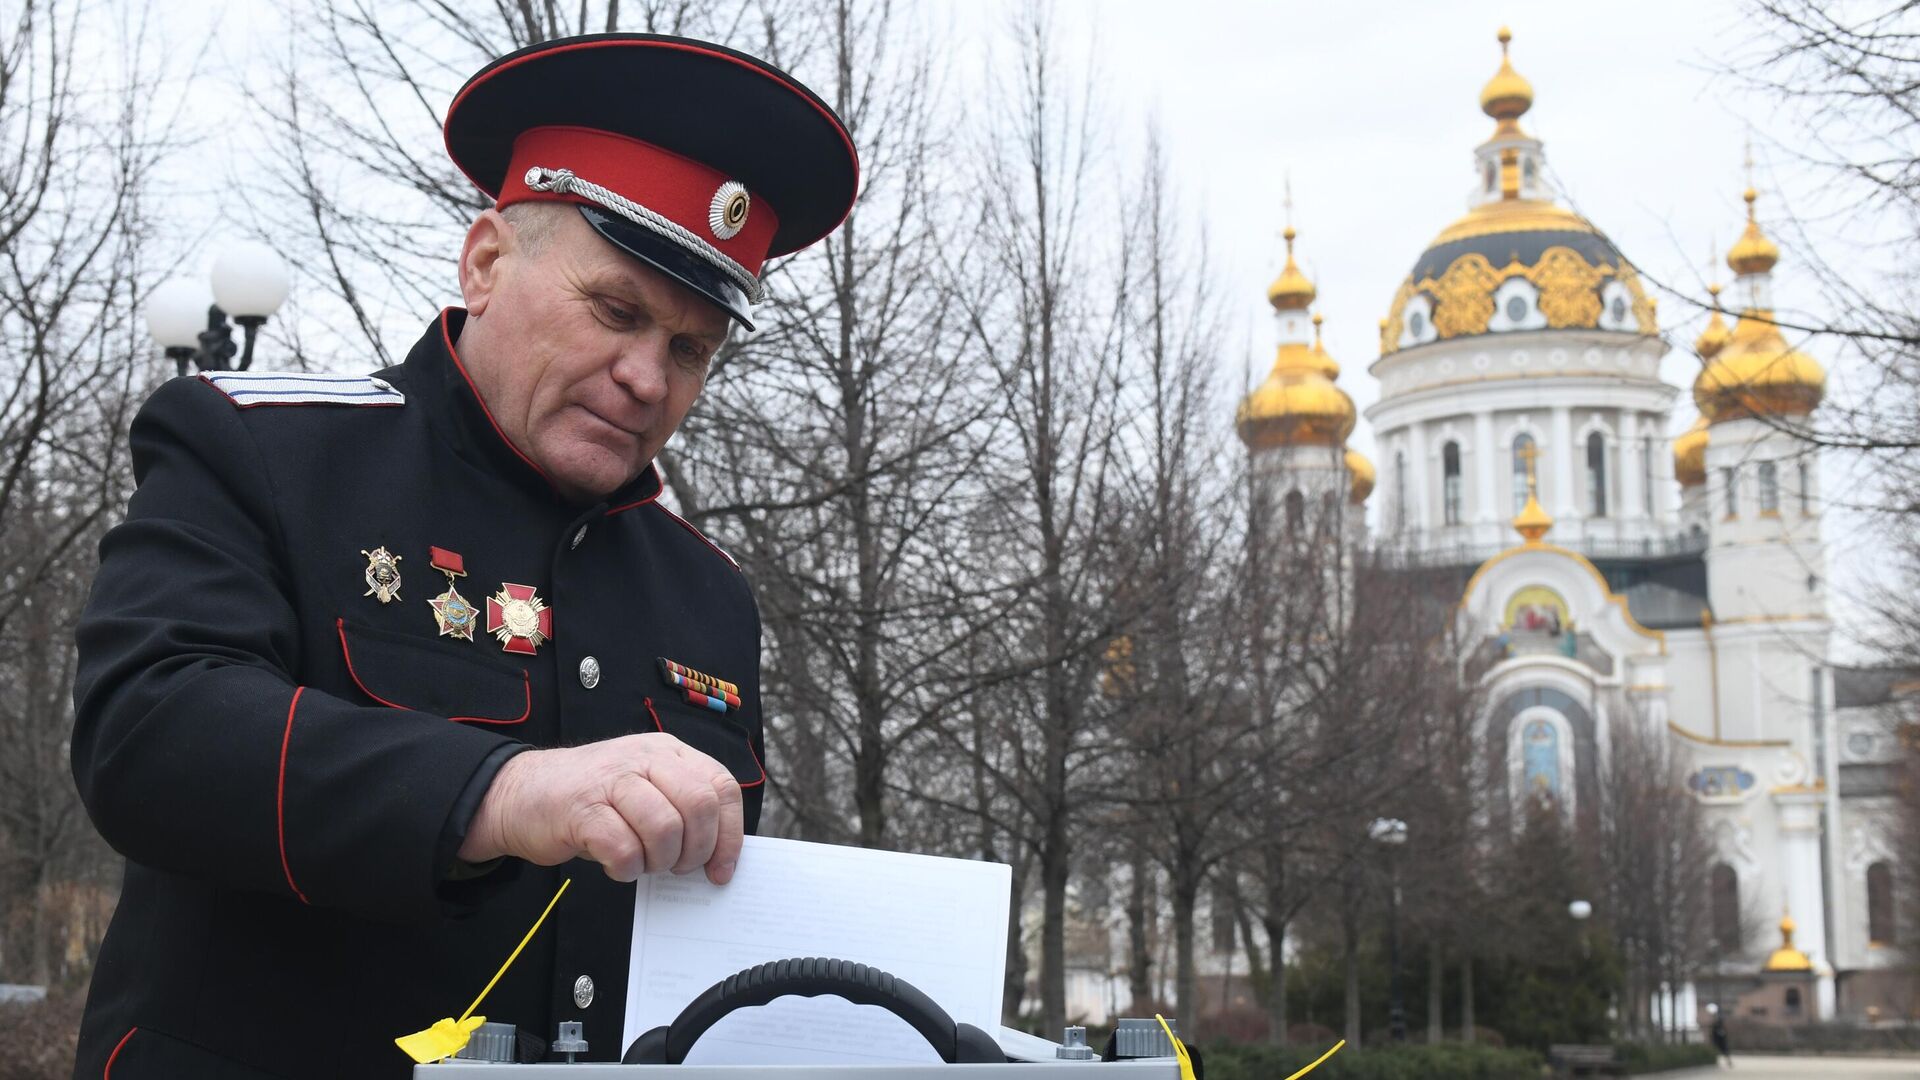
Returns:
(83, 146)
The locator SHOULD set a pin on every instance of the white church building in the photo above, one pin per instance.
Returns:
(1618, 574)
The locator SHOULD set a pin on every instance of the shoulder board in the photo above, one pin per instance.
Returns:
(689, 526)
(249, 388)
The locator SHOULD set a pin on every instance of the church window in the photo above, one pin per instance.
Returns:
(1880, 929)
(1730, 476)
(1618, 309)
(1521, 442)
(1724, 897)
(1527, 169)
(1400, 490)
(1646, 472)
(1540, 754)
(1418, 324)
(1792, 1001)
(1769, 488)
(1516, 309)
(1597, 474)
(1806, 490)
(1450, 466)
(1296, 512)
(1490, 174)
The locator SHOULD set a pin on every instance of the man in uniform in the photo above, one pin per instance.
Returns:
(376, 661)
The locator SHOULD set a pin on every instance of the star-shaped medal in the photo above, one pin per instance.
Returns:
(519, 618)
(457, 617)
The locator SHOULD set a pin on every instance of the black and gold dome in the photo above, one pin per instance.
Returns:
(1571, 275)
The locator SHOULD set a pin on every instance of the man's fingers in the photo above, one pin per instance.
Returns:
(733, 827)
(653, 818)
(686, 779)
(607, 838)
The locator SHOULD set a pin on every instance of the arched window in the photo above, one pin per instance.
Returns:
(1880, 929)
(1769, 488)
(1806, 490)
(1792, 1001)
(1491, 174)
(1521, 442)
(1400, 490)
(1646, 473)
(1540, 761)
(1296, 512)
(1731, 477)
(1724, 896)
(1597, 475)
(1450, 469)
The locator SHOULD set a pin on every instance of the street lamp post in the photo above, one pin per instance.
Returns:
(189, 320)
(1391, 834)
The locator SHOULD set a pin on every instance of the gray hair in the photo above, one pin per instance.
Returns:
(534, 223)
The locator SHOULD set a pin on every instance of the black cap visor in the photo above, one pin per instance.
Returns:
(672, 260)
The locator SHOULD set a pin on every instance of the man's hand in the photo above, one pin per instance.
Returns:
(637, 804)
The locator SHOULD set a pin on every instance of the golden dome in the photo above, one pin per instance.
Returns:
(1297, 405)
(1507, 96)
(1714, 337)
(1361, 472)
(1690, 454)
(1756, 373)
(1753, 253)
(1786, 957)
(1291, 291)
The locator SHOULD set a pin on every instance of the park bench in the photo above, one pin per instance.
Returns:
(1576, 1060)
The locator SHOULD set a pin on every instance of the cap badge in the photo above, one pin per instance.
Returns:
(455, 616)
(519, 618)
(383, 575)
(728, 213)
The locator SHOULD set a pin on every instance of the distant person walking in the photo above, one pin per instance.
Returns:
(1719, 1035)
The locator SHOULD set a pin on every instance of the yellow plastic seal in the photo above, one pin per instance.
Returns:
(448, 1036)
(1318, 1060)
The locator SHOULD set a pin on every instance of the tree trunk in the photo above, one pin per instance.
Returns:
(1277, 996)
(1350, 933)
(1054, 870)
(1466, 998)
(1139, 948)
(1186, 895)
(1013, 991)
(1436, 971)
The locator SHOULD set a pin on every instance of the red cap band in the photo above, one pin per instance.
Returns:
(677, 188)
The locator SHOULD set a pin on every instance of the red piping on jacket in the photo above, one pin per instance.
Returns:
(756, 757)
(526, 684)
(688, 525)
(280, 804)
(107, 1073)
(658, 487)
(804, 95)
(484, 411)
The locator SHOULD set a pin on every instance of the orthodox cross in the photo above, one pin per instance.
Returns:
(1527, 453)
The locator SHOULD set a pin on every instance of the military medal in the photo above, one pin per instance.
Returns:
(383, 574)
(455, 615)
(519, 618)
(699, 688)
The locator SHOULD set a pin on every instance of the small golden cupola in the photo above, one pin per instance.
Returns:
(1507, 96)
(1690, 454)
(1297, 405)
(1360, 477)
(1786, 957)
(1755, 372)
(1714, 337)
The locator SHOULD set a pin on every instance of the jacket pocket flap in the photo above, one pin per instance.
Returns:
(719, 737)
(404, 672)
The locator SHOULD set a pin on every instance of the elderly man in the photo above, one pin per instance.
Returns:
(361, 680)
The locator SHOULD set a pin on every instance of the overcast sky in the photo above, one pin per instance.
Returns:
(1372, 110)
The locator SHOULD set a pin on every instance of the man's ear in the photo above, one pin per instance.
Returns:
(488, 238)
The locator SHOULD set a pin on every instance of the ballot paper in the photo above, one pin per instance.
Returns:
(940, 924)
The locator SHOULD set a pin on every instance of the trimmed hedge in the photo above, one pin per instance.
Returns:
(1659, 1057)
(1447, 1061)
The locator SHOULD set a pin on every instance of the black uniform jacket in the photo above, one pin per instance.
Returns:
(289, 764)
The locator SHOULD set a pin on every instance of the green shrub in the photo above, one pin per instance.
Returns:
(1447, 1061)
(1659, 1057)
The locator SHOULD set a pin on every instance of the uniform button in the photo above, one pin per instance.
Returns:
(583, 991)
(589, 673)
(579, 535)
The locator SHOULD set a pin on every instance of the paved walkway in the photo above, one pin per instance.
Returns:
(1762, 1067)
